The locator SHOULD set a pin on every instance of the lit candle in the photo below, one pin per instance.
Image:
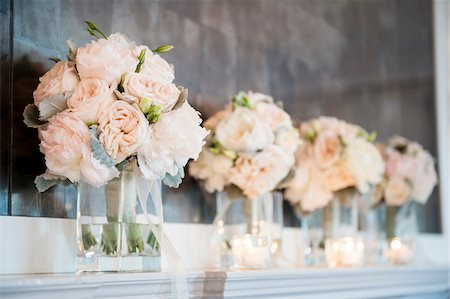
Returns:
(398, 252)
(344, 252)
(251, 251)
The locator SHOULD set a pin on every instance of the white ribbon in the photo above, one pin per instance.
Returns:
(146, 187)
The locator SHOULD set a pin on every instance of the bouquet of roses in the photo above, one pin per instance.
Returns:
(110, 102)
(410, 173)
(251, 146)
(335, 155)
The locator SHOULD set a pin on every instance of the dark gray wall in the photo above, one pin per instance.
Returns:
(368, 62)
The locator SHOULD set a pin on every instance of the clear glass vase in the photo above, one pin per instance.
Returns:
(112, 230)
(401, 229)
(343, 244)
(312, 238)
(249, 230)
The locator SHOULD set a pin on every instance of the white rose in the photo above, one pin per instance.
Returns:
(60, 78)
(91, 99)
(261, 173)
(212, 169)
(106, 59)
(163, 94)
(288, 139)
(257, 98)
(365, 163)
(397, 192)
(155, 66)
(171, 142)
(244, 131)
(274, 115)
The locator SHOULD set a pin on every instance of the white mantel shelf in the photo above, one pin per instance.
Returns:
(401, 282)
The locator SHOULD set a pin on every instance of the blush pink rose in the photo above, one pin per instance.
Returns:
(91, 98)
(155, 66)
(106, 59)
(122, 130)
(327, 149)
(256, 174)
(65, 144)
(163, 94)
(60, 78)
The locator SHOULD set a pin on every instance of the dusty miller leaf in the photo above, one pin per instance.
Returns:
(97, 148)
(54, 104)
(43, 185)
(31, 116)
(174, 181)
(182, 98)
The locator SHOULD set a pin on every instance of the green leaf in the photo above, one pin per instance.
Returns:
(31, 116)
(97, 148)
(241, 100)
(92, 28)
(55, 59)
(141, 61)
(43, 185)
(174, 181)
(184, 92)
(54, 104)
(163, 49)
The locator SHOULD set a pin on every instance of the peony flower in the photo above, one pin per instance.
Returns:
(122, 130)
(106, 59)
(396, 192)
(155, 66)
(65, 144)
(244, 131)
(327, 149)
(212, 169)
(262, 172)
(91, 98)
(364, 162)
(171, 142)
(138, 86)
(60, 78)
